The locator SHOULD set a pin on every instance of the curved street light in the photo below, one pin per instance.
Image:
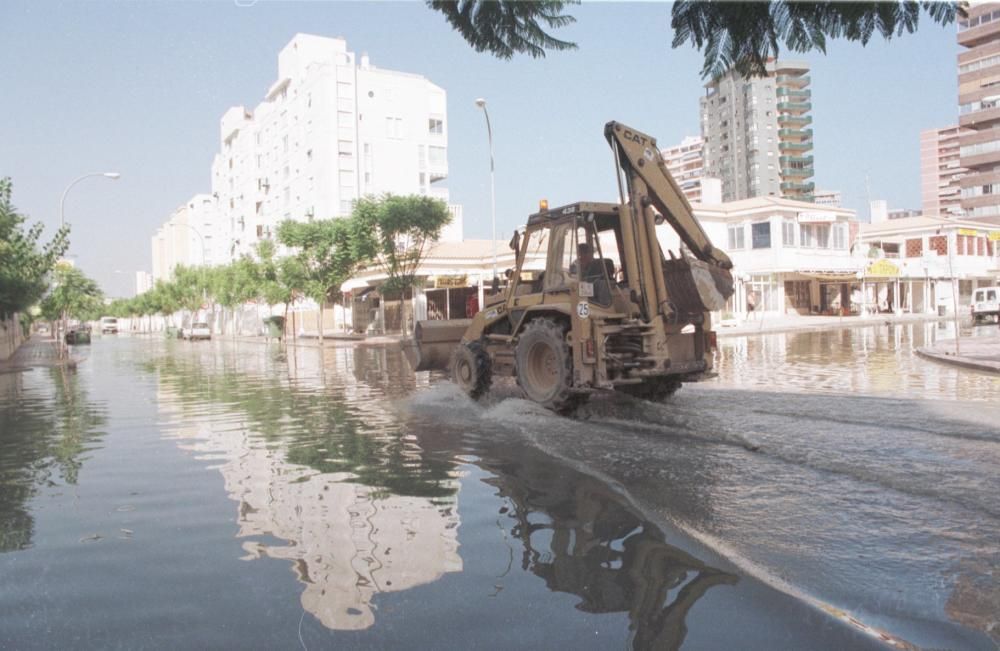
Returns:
(200, 237)
(114, 176)
(481, 103)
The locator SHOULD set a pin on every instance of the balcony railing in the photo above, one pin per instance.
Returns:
(794, 146)
(794, 93)
(795, 133)
(792, 186)
(797, 81)
(794, 106)
(787, 160)
(798, 172)
(786, 120)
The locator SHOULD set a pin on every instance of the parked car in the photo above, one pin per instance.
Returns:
(985, 303)
(109, 325)
(78, 335)
(197, 331)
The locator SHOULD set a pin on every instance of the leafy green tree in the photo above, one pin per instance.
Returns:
(394, 232)
(24, 265)
(326, 257)
(72, 294)
(740, 35)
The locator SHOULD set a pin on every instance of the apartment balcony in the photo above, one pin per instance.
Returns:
(802, 134)
(796, 187)
(795, 106)
(979, 119)
(798, 172)
(788, 160)
(794, 81)
(786, 145)
(794, 94)
(787, 120)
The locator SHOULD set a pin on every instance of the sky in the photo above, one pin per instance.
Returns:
(139, 88)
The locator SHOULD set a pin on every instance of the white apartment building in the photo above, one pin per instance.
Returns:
(143, 282)
(827, 198)
(329, 130)
(685, 163)
(192, 236)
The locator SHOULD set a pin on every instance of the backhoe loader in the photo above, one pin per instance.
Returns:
(592, 304)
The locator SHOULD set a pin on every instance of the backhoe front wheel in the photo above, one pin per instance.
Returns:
(545, 365)
(472, 369)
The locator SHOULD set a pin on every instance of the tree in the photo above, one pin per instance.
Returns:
(740, 35)
(72, 294)
(394, 233)
(24, 267)
(506, 27)
(326, 258)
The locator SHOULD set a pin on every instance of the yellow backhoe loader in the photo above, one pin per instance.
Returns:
(592, 303)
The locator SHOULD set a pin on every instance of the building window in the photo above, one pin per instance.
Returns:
(437, 155)
(822, 235)
(735, 232)
(394, 128)
(839, 236)
(788, 233)
(761, 235)
(435, 126)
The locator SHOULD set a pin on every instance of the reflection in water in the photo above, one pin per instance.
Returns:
(581, 539)
(363, 511)
(870, 360)
(47, 424)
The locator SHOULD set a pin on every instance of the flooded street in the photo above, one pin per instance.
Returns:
(828, 490)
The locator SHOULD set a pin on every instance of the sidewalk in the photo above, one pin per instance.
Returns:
(34, 352)
(978, 353)
(769, 324)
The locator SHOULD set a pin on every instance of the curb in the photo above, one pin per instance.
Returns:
(963, 362)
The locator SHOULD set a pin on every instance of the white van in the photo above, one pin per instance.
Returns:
(109, 325)
(985, 303)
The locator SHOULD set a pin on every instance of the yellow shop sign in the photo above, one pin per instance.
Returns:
(440, 282)
(994, 236)
(971, 232)
(882, 268)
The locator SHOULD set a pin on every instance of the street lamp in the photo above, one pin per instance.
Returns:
(114, 176)
(481, 103)
(200, 237)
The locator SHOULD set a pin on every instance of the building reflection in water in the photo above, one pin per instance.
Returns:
(301, 470)
(358, 509)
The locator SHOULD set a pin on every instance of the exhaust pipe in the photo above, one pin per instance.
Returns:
(433, 343)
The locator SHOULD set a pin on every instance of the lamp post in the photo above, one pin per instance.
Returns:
(481, 103)
(114, 176)
(195, 231)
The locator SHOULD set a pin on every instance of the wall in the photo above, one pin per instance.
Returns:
(10, 337)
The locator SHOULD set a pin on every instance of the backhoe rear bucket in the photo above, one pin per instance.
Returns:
(433, 343)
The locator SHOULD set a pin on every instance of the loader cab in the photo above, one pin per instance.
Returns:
(566, 252)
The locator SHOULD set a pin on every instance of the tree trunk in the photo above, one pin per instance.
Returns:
(320, 324)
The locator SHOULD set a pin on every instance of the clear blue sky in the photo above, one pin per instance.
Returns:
(139, 88)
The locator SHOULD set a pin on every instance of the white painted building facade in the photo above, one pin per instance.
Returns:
(331, 129)
(193, 235)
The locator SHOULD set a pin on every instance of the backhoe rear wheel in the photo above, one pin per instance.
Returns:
(545, 366)
(472, 369)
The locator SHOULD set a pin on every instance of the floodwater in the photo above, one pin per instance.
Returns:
(829, 490)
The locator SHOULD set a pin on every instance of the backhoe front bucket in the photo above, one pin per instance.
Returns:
(433, 343)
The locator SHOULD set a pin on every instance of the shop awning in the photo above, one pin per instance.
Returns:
(833, 276)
